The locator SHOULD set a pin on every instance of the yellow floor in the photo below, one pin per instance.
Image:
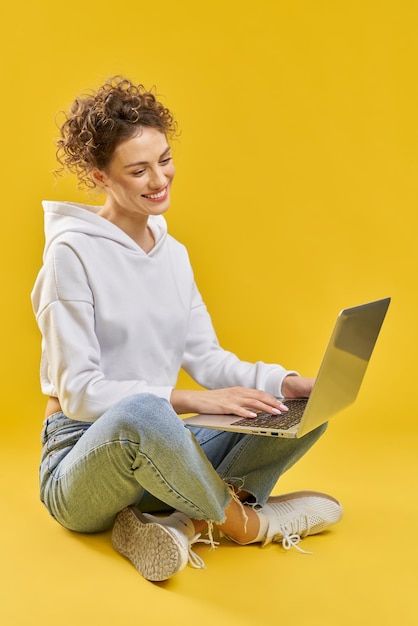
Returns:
(363, 571)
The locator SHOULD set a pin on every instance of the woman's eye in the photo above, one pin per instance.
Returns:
(165, 161)
(138, 173)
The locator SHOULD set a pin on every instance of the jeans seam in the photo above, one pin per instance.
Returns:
(245, 442)
(172, 489)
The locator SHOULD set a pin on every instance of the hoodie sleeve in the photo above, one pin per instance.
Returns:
(214, 368)
(71, 355)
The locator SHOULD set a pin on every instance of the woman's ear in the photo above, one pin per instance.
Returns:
(99, 177)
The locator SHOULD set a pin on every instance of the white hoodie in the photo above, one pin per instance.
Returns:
(116, 321)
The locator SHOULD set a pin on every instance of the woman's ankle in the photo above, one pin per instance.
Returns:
(243, 524)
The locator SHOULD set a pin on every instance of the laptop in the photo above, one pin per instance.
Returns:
(336, 386)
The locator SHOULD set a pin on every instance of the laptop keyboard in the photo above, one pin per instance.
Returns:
(284, 421)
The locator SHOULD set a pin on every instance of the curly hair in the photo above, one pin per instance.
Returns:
(98, 122)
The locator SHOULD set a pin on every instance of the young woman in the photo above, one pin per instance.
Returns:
(120, 314)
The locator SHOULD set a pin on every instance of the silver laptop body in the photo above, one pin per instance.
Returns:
(336, 386)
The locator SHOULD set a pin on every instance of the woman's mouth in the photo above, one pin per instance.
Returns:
(156, 197)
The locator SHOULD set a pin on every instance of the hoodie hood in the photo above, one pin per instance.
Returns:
(62, 218)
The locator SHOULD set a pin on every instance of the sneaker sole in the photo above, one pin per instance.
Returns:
(151, 548)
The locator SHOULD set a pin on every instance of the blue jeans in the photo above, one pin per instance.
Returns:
(140, 452)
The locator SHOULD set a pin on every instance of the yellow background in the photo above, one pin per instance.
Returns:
(296, 196)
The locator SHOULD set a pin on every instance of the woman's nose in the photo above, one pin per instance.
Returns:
(157, 178)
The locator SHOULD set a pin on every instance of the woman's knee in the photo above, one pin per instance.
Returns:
(139, 413)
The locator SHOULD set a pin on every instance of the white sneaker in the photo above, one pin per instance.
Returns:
(296, 515)
(157, 549)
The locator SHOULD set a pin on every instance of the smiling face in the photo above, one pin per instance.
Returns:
(138, 178)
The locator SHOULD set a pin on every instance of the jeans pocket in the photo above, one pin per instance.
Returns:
(59, 436)
(56, 454)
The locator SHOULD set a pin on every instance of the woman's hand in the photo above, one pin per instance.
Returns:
(297, 386)
(239, 401)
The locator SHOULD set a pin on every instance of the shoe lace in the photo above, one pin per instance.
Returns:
(291, 533)
(194, 559)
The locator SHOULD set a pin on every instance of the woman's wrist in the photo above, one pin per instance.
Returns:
(287, 385)
(182, 400)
